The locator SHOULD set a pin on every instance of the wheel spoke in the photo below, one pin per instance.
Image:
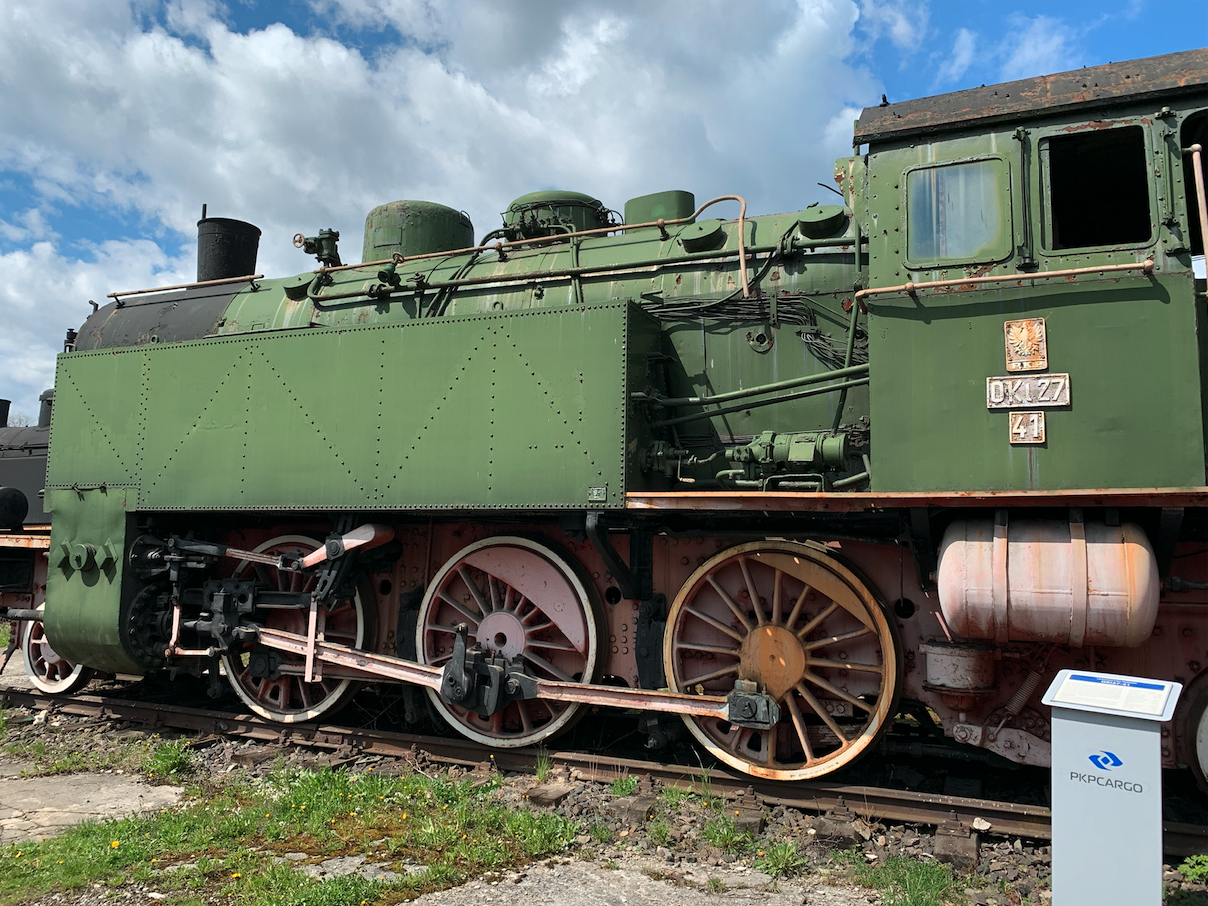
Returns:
(788, 624)
(473, 589)
(716, 624)
(752, 593)
(704, 678)
(837, 692)
(847, 665)
(813, 624)
(493, 588)
(841, 637)
(457, 605)
(708, 649)
(551, 646)
(545, 665)
(822, 713)
(777, 604)
(730, 603)
(799, 724)
(525, 720)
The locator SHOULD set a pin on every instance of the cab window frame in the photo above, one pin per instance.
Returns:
(1043, 144)
(1004, 247)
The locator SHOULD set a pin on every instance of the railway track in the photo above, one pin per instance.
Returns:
(952, 814)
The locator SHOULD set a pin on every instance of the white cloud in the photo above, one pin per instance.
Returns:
(904, 22)
(151, 109)
(1038, 45)
(964, 48)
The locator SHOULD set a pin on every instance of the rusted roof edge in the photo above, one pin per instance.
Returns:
(1089, 88)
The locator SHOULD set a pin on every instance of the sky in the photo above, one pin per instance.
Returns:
(119, 119)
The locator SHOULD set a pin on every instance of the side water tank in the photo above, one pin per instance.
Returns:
(411, 228)
(226, 248)
(1070, 583)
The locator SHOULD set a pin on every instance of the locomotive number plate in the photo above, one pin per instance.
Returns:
(1027, 390)
(1027, 427)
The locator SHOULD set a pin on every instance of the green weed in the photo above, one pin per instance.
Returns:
(722, 833)
(623, 785)
(781, 860)
(901, 881)
(659, 832)
(600, 832)
(1195, 869)
(715, 885)
(172, 760)
(543, 765)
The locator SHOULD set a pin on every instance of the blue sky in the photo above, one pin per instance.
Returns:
(122, 117)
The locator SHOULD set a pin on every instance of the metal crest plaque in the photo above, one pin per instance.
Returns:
(1027, 427)
(1027, 345)
(1028, 390)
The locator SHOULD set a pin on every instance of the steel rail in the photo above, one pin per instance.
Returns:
(872, 803)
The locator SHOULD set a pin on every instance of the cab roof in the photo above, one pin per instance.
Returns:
(1092, 86)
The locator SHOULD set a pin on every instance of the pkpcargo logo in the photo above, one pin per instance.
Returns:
(1106, 760)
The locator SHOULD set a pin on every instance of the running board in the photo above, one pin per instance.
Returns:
(484, 682)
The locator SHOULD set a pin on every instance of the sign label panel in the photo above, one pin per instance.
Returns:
(1028, 390)
(1128, 695)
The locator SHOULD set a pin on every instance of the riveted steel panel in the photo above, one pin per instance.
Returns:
(514, 410)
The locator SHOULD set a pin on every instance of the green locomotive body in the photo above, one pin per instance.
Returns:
(998, 326)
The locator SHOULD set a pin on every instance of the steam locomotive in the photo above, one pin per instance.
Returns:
(776, 479)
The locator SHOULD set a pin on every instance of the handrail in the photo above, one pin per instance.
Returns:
(164, 289)
(1197, 167)
(910, 287)
(750, 391)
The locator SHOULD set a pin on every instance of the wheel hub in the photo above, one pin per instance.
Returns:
(773, 657)
(502, 633)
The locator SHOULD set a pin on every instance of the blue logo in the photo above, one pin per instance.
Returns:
(1106, 760)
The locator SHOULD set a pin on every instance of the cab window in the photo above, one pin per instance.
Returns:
(1098, 189)
(958, 213)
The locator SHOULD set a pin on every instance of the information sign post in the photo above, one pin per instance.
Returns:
(1107, 787)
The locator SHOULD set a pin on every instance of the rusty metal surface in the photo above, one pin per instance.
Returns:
(27, 540)
(1090, 87)
(861, 501)
(1006, 818)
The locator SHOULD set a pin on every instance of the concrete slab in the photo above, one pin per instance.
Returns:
(32, 807)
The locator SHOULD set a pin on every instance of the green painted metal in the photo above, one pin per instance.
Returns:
(1129, 342)
(516, 410)
(84, 606)
(414, 228)
(573, 210)
(671, 205)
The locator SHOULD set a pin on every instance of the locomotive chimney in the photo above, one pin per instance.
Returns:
(4, 404)
(225, 248)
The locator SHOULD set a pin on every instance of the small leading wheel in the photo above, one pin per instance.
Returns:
(519, 598)
(797, 621)
(49, 672)
(351, 621)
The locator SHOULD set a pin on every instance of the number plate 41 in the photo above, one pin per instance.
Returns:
(1027, 427)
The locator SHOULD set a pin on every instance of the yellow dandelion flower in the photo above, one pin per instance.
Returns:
(155, 860)
(18, 856)
(236, 875)
(115, 844)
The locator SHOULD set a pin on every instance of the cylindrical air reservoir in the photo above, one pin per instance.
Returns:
(415, 228)
(226, 248)
(1071, 583)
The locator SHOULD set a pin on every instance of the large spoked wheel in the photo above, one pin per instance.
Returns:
(519, 598)
(289, 698)
(797, 621)
(46, 669)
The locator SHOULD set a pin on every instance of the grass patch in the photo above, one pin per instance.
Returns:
(544, 765)
(722, 833)
(172, 760)
(715, 885)
(600, 832)
(658, 832)
(453, 831)
(623, 785)
(1195, 869)
(781, 860)
(672, 796)
(902, 882)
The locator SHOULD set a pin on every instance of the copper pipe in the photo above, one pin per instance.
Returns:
(910, 288)
(164, 289)
(1197, 167)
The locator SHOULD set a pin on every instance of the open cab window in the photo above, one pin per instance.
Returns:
(1097, 192)
(958, 213)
